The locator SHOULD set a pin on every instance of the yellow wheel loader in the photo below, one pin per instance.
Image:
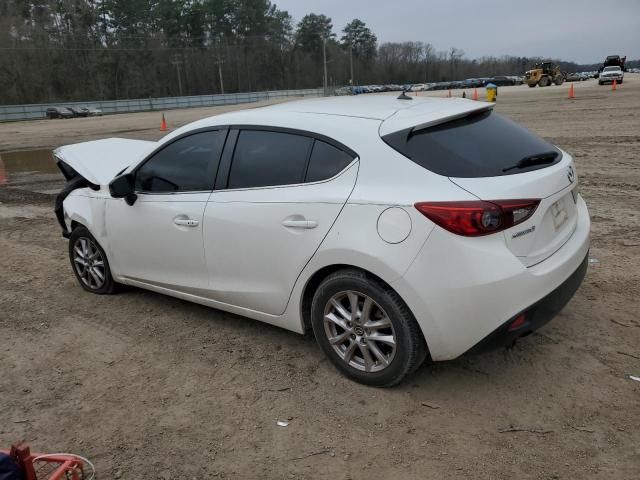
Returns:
(544, 74)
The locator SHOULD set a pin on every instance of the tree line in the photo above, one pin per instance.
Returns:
(63, 50)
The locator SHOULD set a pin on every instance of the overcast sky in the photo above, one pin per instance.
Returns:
(584, 31)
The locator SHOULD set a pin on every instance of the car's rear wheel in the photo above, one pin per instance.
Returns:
(365, 329)
(89, 262)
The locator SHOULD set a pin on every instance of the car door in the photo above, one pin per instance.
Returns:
(277, 195)
(158, 239)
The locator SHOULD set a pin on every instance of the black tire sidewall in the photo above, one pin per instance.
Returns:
(408, 347)
(109, 285)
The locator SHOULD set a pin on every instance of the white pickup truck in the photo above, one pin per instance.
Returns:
(609, 74)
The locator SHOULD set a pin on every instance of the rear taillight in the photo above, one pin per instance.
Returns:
(477, 218)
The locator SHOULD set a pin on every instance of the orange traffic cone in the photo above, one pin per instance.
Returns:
(163, 124)
(475, 94)
(571, 94)
(614, 85)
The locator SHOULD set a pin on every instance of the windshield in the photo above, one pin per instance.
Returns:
(610, 69)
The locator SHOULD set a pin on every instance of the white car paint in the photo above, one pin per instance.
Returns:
(242, 256)
(100, 160)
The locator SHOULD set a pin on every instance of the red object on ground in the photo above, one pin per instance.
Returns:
(54, 467)
(571, 94)
(163, 124)
(614, 85)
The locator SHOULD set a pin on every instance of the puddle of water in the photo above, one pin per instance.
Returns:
(29, 161)
(21, 164)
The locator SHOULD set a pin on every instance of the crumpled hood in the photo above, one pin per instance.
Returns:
(99, 161)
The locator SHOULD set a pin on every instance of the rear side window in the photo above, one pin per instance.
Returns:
(188, 164)
(264, 158)
(483, 144)
(326, 161)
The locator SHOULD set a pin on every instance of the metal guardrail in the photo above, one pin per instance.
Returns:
(10, 113)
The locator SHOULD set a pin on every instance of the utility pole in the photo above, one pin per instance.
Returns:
(177, 63)
(220, 62)
(324, 59)
(351, 61)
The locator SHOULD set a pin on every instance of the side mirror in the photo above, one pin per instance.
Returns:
(122, 187)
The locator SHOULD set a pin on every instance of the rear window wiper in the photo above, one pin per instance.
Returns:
(536, 159)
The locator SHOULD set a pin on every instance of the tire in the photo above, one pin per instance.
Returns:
(84, 247)
(354, 352)
(544, 82)
(531, 85)
(620, 82)
(558, 80)
(600, 83)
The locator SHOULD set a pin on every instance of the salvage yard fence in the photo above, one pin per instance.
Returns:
(37, 111)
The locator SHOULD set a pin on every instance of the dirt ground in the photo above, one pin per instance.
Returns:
(152, 387)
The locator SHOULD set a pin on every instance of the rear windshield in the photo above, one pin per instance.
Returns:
(483, 144)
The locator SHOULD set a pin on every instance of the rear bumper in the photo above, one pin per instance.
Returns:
(462, 291)
(537, 315)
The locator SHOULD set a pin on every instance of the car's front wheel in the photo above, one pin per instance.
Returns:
(365, 329)
(89, 262)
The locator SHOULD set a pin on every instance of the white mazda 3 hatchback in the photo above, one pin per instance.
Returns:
(396, 229)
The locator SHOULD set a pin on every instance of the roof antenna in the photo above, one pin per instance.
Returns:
(404, 96)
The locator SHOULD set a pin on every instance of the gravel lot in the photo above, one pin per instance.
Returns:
(152, 387)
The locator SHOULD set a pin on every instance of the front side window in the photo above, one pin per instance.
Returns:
(265, 158)
(186, 165)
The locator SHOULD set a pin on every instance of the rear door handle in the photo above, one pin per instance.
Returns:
(185, 222)
(300, 223)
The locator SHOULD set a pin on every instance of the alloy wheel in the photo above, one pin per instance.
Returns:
(89, 263)
(360, 331)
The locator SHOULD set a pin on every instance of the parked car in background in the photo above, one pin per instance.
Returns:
(79, 112)
(502, 81)
(92, 111)
(334, 215)
(473, 83)
(573, 77)
(344, 91)
(609, 74)
(58, 112)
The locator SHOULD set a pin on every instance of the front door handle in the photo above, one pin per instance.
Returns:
(185, 222)
(300, 223)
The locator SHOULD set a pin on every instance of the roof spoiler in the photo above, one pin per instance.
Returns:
(426, 114)
(440, 121)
